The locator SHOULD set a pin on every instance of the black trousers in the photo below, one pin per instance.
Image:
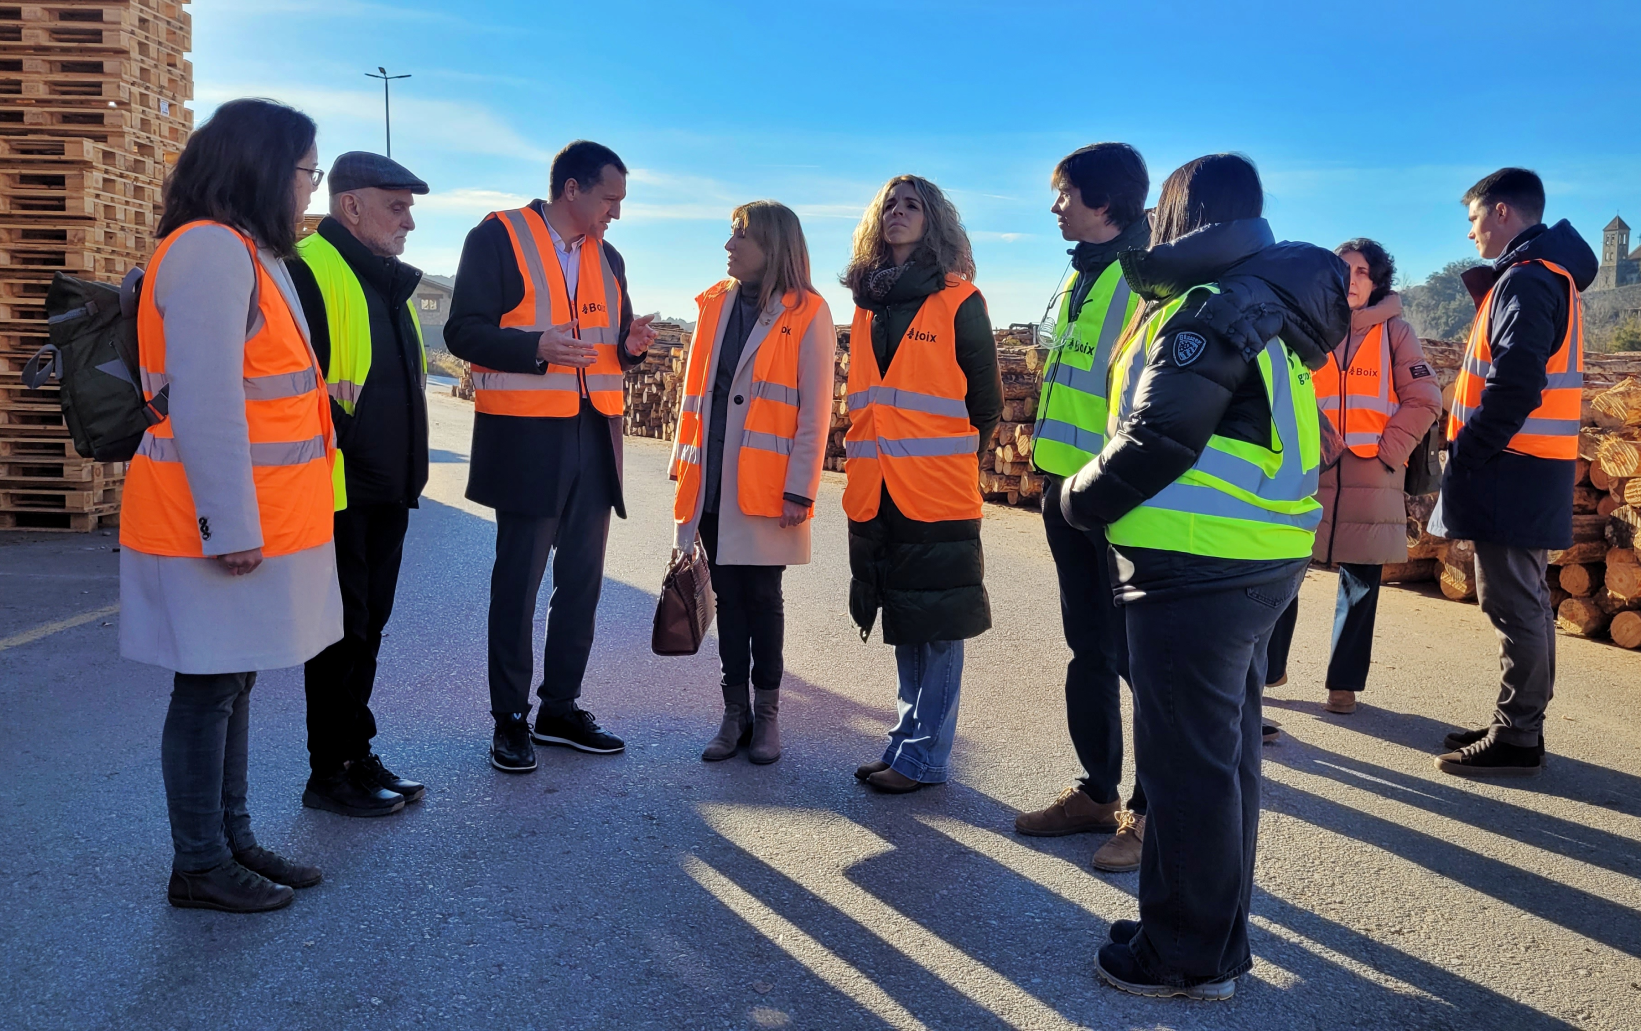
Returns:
(751, 616)
(1198, 663)
(1094, 631)
(370, 541)
(1353, 617)
(574, 540)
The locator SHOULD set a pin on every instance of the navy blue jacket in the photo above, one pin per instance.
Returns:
(1489, 493)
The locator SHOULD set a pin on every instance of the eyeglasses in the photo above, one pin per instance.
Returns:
(317, 175)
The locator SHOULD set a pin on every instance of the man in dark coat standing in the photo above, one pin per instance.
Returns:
(552, 480)
(375, 371)
(1508, 484)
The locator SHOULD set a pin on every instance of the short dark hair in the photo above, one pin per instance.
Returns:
(1381, 266)
(238, 169)
(584, 161)
(1108, 175)
(1213, 188)
(1520, 188)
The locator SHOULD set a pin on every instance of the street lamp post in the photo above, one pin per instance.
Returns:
(387, 104)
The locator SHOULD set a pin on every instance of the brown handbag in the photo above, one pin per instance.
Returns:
(685, 611)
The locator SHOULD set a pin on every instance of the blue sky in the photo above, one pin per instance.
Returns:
(1365, 118)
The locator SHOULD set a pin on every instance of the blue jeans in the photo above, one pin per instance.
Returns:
(931, 678)
(1353, 618)
(203, 755)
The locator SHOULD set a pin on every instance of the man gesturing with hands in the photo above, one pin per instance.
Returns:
(542, 313)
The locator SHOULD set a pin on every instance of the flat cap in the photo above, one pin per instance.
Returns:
(360, 169)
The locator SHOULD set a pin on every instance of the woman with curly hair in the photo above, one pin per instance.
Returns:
(925, 396)
(1390, 401)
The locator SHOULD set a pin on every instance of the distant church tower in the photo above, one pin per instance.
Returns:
(1618, 266)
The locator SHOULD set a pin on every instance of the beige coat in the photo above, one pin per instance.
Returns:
(745, 540)
(1364, 515)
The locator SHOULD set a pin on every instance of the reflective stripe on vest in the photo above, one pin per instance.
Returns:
(909, 430)
(1551, 429)
(1072, 410)
(288, 424)
(1239, 500)
(1362, 409)
(347, 317)
(596, 308)
(771, 422)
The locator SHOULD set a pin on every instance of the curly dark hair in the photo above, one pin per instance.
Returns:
(1381, 266)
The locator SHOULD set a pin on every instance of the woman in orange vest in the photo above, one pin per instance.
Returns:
(1379, 393)
(227, 565)
(752, 433)
(924, 397)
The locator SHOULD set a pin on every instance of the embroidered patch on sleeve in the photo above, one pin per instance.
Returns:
(1188, 347)
(1419, 371)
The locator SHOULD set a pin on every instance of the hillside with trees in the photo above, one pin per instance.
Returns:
(1440, 308)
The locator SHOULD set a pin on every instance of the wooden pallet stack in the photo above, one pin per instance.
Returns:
(92, 114)
(1596, 584)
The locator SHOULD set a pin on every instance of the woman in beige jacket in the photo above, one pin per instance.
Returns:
(1364, 514)
(751, 440)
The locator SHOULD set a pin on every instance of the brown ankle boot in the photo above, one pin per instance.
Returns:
(766, 727)
(736, 729)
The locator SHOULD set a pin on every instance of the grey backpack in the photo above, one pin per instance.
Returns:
(92, 353)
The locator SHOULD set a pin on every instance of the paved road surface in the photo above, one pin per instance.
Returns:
(651, 890)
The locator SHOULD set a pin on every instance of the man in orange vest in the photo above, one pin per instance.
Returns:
(541, 311)
(1508, 484)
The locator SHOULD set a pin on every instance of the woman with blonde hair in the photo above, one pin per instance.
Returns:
(747, 460)
(924, 397)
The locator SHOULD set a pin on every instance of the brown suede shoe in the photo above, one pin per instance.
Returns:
(1072, 813)
(865, 770)
(766, 729)
(893, 782)
(1341, 702)
(1122, 853)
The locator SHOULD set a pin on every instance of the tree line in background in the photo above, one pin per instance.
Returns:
(1440, 308)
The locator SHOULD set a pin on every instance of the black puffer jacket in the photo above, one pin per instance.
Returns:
(1188, 394)
(1490, 493)
(928, 578)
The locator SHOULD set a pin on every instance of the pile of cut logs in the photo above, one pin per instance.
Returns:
(1595, 585)
(656, 386)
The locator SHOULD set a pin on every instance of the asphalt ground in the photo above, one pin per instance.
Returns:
(651, 890)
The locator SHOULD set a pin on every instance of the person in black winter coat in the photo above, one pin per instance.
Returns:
(925, 577)
(1198, 624)
(1514, 504)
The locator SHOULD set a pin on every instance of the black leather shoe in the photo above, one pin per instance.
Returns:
(578, 730)
(510, 750)
(371, 767)
(229, 887)
(351, 794)
(278, 869)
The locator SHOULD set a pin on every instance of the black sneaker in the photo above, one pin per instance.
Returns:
(1269, 733)
(351, 792)
(510, 750)
(1462, 738)
(278, 869)
(230, 888)
(1120, 968)
(1123, 931)
(371, 768)
(578, 730)
(1491, 757)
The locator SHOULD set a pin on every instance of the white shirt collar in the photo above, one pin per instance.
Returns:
(558, 241)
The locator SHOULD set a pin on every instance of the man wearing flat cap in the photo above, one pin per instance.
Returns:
(356, 295)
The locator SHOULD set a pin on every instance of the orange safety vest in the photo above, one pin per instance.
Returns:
(1551, 430)
(287, 411)
(556, 394)
(771, 418)
(1361, 411)
(910, 429)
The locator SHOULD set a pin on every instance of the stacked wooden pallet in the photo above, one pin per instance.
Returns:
(1596, 584)
(91, 116)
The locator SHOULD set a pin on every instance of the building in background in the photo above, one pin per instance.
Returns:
(432, 303)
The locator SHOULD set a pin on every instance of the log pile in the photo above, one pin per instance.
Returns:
(1595, 585)
(91, 119)
(655, 388)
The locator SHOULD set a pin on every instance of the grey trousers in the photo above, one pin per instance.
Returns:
(1511, 589)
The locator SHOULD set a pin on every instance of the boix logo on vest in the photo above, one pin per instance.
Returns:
(917, 334)
(593, 308)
